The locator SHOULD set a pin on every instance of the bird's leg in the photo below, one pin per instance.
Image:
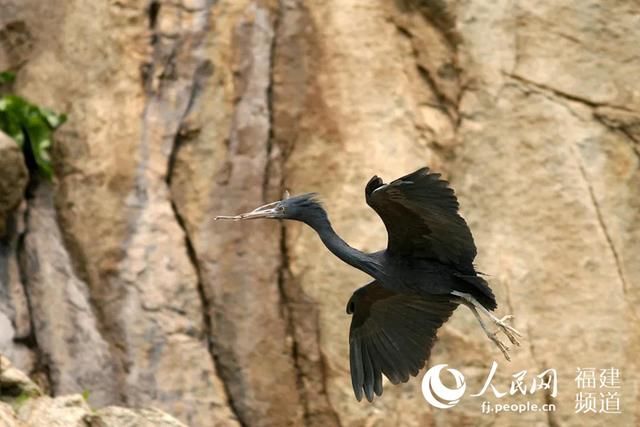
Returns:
(508, 330)
(491, 335)
(511, 332)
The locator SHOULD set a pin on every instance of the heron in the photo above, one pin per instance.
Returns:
(422, 276)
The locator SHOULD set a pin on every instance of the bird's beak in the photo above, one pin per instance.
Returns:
(269, 210)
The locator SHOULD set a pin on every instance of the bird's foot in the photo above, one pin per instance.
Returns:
(501, 346)
(511, 332)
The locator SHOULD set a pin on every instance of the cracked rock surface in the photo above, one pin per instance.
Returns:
(114, 279)
(13, 180)
(22, 404)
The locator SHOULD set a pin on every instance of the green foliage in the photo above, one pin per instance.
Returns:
(21, 399)
(7, 77)
(19, 117)
(85, 395)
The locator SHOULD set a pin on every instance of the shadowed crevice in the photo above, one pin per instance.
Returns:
(288, 99)
(270, 136)
(298, 312)
(204, 300)
(288, 317)
(42, 369)
(444, 104)
(602, 223)
(629, 131)
(270, 169)
(438, 14)
(563, 94)
(541, 367)
(42, 363)
(433, 43)
(202, 72)
(181, 137)
(601, 118)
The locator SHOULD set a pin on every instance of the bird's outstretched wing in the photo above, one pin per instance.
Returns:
(391, 334)
(420, 213)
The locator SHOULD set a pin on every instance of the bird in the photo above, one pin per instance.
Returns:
(422, 276)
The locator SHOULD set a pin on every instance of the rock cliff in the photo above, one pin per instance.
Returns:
(115, 279)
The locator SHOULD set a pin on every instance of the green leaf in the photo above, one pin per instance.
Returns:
(7, 77)
(18, 116)
(54, 119)
(12, 115)
(39, 133)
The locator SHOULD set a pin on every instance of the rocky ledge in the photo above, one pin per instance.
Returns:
(23, 404)
(14, 178)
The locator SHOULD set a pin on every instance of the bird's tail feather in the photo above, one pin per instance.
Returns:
(479, 288)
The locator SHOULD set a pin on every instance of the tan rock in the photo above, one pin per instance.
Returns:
(13, 179)
(363, 120)
(14, 316)
(65, 327)
(114, 416)
(14, 319)
(551, 180)
(72, 410)
(183, 110)
(64, 411)
(15, 380)
(30, 408)
(8, 416)
(112, 199)
(230, 156)
(15, 322)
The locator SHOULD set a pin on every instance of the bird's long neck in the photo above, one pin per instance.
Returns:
(339, 247)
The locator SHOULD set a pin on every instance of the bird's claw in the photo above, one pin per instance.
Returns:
(511, 333)
(508, 330)
(503, 348)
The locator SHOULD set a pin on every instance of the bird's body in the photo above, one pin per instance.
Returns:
(428, 277)
(418, 281)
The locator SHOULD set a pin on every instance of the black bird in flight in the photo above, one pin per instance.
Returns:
(419, 280)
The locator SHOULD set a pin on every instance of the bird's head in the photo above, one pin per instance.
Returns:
(304, 207)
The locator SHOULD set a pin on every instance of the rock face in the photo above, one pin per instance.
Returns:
(65, 326)
(22, 404)
(15, 325)
(181, 110)
(15, 382)
(13, 181)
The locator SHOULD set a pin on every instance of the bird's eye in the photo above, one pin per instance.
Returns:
(351, 307)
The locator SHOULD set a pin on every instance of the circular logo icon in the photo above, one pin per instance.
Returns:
(439, 395)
